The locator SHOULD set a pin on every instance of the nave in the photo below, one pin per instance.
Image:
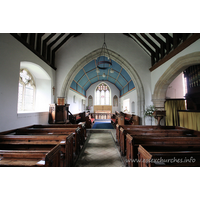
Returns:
(100, 150)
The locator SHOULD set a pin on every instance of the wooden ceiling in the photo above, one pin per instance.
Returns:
(159, 46)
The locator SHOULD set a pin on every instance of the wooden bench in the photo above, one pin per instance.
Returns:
(153, 131)
(132, 127)
(159, 144)
(77, 132)
(65, 141)
(76, 118)
(168, 158)
(128, 119)
(81, 125)
(114, 118)
(91, 117)
(88, 122)
(30, 158)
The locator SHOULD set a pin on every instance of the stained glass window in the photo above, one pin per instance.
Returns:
(102, 94)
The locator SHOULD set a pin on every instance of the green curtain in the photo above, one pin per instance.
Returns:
(171, 107)
(190, 120)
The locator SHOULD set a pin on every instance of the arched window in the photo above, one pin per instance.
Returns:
(102, 94)
(115, 101)
(26, 92)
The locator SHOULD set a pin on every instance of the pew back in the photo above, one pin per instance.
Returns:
(159, 143)
(31, 158)
(66, 142)
(168, 158)
(153, 132)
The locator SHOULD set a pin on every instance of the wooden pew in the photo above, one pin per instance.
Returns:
(9, 145)
(128, 119)
(159, 144)
(65, 141)
(168, 158)
(169, 131)
(76, 118)
(30, 158)
(114, 118)
(78, 134)
(81, 125)
(84, 126)
(132, 127)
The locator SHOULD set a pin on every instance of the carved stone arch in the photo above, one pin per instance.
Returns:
(117, 58)
(178, 66)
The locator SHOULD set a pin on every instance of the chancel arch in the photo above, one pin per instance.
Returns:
(118, 59)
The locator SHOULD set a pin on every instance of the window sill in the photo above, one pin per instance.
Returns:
(24, 114)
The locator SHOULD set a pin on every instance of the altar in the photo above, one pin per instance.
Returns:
(102, 111)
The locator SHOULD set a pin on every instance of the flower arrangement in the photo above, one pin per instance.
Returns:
(149, 110)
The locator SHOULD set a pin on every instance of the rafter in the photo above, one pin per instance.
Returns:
(44, 46)
(162, 44)
(39, 42)
(32, 40)
(157, 45)
(51, 44)
(169, 41)
(152, 44)
(181, 47)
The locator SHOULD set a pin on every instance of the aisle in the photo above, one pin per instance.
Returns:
(100, 151)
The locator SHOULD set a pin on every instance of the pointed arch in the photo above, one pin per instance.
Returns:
(117, 58)
(179, 65)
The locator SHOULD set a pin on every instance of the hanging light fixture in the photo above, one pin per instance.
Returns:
(104, 75)
(111, 71)
(104, 61)
(97, 70)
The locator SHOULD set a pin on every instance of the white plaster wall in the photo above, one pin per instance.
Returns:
(175, 89)
(11, 54)
(157, 73)
(77, 48)
(133, 98)
(43, 95)
(114, 91)
(77, 106)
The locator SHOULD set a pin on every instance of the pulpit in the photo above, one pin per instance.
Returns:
(58, 114)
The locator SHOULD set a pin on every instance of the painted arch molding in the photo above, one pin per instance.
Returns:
(117, 58)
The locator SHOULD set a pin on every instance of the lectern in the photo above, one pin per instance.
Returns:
(159, 114)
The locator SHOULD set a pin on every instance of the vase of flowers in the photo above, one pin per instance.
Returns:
(148, 112)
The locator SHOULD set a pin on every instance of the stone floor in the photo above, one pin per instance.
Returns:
(100, 151)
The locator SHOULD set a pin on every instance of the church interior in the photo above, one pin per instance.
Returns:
(99, 101)
(60, 89)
